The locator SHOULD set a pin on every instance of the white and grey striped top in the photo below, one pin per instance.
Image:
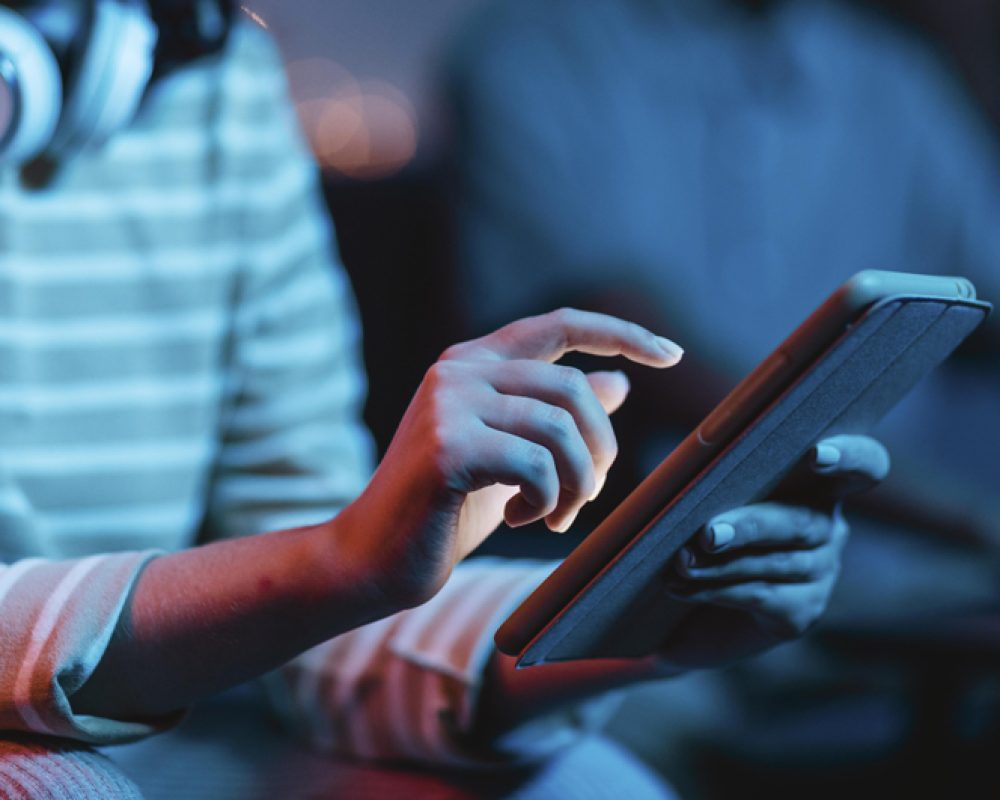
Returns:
(178, 354)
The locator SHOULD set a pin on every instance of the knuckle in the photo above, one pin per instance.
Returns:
(564, 315)
(561, 320)
(641, 334)
(433, 375)
(785, 562)
(809, 566)
(442, 432)
(573, 383)
(443, 452)
(509, 334)
(815, 604)
(557, 422)
(802, 518)
(811, 527)
(440, 374)
(753, 597)
(453, 352)
(790, 619)
(801, 620)
(515, 414)
(760, 597)
(537, 462)
(820, 528)
(439, 408)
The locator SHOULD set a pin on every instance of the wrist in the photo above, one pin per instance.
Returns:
(393, 543)
(373, 549)
(351, 562)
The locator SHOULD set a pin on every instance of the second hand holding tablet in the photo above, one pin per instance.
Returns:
(839, 372)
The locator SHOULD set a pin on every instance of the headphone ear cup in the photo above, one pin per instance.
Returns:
(115, 65)
(34, 87)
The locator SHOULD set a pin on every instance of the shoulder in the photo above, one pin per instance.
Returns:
(251, 47)
(254, 98)
(246, 74)
(505, 39)
(906, 77)
(253, 67)
(877, 57)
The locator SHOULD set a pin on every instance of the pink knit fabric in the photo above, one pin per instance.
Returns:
(38, 768)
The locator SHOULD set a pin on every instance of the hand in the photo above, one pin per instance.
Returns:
(762, 574)
(495, 431)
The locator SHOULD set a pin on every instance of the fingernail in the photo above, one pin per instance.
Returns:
(826, 456)
(597, 490)
(687, 558)
(672, 349)
(722, 534)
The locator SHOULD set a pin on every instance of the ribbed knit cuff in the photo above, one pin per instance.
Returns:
(40, 768)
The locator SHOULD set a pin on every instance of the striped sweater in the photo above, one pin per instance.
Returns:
(179, 359)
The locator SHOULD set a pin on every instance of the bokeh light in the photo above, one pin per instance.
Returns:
(360, 129)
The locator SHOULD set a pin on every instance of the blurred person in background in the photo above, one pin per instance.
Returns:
(178, 350)
(724, 165)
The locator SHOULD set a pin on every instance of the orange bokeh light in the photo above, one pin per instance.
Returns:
(358, 128)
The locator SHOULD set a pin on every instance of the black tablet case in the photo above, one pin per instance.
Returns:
(623, 611)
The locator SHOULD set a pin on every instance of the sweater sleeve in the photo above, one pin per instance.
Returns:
(406, 688)
(56, 618)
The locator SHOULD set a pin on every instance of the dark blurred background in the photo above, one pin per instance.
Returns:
(366, 76)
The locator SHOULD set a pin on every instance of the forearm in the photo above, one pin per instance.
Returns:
(202, 620)
(208, 618)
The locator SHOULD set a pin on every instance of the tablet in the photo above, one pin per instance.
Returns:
(838, 372)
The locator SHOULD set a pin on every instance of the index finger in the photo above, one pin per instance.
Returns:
(550, 336)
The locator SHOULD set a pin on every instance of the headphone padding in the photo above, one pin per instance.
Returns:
(38, 91)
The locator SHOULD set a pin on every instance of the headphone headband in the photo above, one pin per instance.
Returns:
(106, 57)
(115, 64)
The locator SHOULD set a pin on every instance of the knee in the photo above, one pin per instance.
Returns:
(38, 768)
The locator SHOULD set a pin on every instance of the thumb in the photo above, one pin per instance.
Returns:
(611, 388)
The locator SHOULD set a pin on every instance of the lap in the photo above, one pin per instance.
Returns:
(42, 768)
(231, 751)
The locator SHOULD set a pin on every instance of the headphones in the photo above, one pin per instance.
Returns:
(72, 72)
